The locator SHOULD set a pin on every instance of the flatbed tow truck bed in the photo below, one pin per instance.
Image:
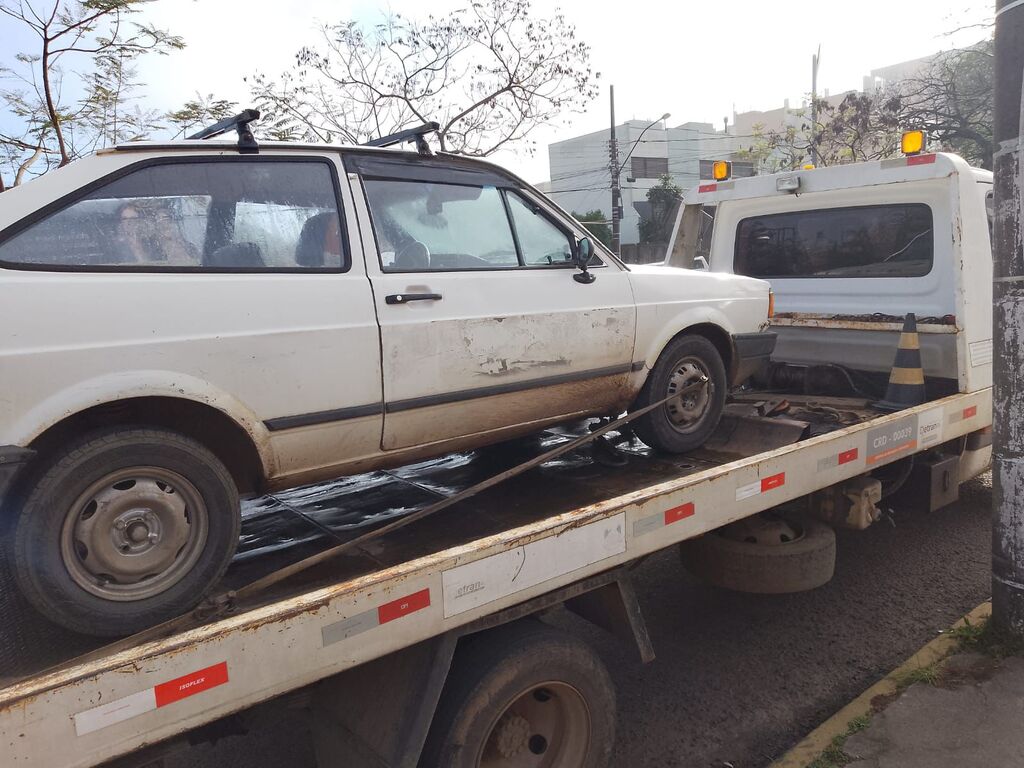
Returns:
(529, 542)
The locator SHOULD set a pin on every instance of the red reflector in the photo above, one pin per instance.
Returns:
(707, 187)
(971, 411)
(403, 606)
(920, 159)
(678, 513)
(847, 456)
(773, 482)
(189, 685)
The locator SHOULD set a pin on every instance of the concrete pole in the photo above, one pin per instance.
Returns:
(613, 157)
(1008, 326)
(814, 105)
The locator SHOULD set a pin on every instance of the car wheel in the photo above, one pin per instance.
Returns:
(125, 529)
(685, 423)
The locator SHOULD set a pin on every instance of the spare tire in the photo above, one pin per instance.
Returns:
(764, 555)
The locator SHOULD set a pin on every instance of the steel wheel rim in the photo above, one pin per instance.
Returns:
(546, 726)
(134, 533)
(686, 412)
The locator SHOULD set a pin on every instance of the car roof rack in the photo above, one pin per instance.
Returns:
(417, 135)
(240, 123)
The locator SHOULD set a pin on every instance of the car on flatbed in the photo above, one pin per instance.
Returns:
(186, 323)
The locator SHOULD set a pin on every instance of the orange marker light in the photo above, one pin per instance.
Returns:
(721, 170)
(913, 142)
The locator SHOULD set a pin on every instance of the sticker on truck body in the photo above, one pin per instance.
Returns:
(469, 586)
(891, 441)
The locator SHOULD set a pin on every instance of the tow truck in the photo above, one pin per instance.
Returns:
(425, 645)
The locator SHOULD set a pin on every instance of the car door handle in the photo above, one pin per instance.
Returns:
(405, 298)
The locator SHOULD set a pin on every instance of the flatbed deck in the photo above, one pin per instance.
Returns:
(562, 522)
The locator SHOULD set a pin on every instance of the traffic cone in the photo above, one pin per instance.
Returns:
(906, 382)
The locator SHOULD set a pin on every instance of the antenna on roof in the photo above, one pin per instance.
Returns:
(246, 141)
(417, 135)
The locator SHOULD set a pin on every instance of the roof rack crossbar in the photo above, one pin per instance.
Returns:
(417, 134)
(240, 123)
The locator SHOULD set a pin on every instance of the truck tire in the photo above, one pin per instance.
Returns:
(125, 529)
(523, 690)
(685, 425)
(775, 557)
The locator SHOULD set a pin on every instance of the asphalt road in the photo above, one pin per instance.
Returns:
(740, 678)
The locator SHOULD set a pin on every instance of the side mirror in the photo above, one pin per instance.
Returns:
(699, 262)
(582, 256)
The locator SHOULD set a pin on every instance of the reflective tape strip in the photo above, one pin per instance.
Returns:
(652, 523)
(127, 707)
(761, 486)
(838, 460)
(903, 162)
(967, 413)
(364, 621)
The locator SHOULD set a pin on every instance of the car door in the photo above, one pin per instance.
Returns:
(482, 325)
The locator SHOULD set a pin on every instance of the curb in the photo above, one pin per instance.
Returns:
(818, 740)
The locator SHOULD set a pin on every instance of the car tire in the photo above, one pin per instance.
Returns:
(523, 688)
(678, 427)
(125, 529)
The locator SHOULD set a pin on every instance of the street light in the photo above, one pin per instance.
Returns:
(666, 116)
(616, 169)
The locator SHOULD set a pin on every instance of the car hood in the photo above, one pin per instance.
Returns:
(652, 282)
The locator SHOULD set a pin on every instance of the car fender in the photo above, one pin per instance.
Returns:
(112, 388)
(656, 332)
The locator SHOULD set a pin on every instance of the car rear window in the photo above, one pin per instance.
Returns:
(248, 216)
(865, 241)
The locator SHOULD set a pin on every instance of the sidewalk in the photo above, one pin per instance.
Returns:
(957, 703)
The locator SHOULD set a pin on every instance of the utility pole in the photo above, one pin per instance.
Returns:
(1008, 326)
(815, 60)
(613, 155)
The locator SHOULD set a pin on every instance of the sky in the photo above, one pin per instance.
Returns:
(695, 60)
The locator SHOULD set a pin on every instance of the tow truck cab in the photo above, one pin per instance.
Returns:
(849, 250)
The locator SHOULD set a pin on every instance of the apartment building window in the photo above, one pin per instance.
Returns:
(649, 167)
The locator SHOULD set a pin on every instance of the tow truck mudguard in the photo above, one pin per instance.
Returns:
(12, 459)
(752, 351)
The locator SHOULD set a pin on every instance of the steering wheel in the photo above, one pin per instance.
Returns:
(412, 254)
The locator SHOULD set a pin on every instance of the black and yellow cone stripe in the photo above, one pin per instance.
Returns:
(906, 382)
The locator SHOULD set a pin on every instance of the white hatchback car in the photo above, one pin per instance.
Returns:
(184, 323)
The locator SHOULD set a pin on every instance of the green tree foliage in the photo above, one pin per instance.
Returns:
(664, 199)
(87, 48)
(596, 223)
(489, 73)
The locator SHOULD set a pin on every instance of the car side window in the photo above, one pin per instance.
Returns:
(541, 242)
(428, 226)
(248, 216)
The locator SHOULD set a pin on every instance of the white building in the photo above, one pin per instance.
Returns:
(581, 167)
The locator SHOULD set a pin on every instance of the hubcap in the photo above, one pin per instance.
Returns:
(134, 533)
(546, 726)
(686, 412)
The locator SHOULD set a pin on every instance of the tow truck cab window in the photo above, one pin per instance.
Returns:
(865, 241)
(195, 216)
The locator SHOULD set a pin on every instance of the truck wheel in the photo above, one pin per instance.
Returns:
(525, 694)
(764, 554)
(125, 529)
(685, 424)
